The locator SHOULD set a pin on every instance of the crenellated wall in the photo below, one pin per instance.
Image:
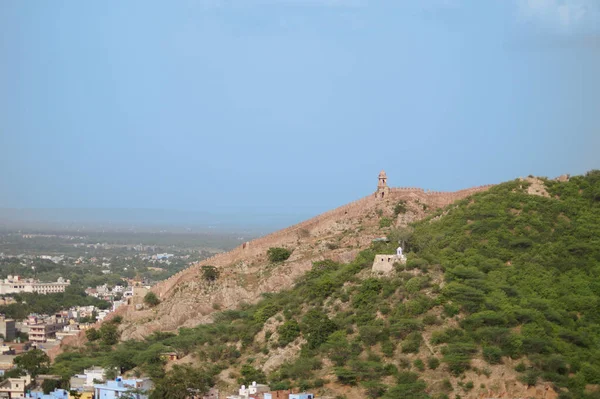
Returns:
(289, 235)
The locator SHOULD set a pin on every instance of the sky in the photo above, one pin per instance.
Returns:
(289, 107)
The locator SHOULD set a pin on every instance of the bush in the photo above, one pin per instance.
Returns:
(288, 332)
(418, 363)
(278, 254)
(92, 334)
(316, 328)
(433, 363)
(412, 343)
(385, 222)
(151, 299)
(400, 208)
(492, 354)
(210, 273)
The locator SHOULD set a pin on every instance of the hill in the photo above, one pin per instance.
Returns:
(245, 273)
(499, 298)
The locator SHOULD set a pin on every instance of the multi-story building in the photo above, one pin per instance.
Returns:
(14, 387)
(7, 328)
(46, 330)
(16, 285)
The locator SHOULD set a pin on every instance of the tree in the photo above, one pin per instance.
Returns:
(181, 381)
(109, 334)
(400, 235)
(49, 385)
(151, 299)
(92, 334)
(316, 328)
(34, 362)
(250, 375)
(278, 254)
(210, 273)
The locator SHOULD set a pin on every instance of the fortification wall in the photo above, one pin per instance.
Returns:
(259, 246)
(289, 235)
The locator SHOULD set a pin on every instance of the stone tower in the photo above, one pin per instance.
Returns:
(382, 187)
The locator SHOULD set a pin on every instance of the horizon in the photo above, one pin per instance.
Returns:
(269, 112)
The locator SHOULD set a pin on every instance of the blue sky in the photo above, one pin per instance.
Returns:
(289, 106)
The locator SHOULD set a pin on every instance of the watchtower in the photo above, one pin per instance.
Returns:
(382, 187)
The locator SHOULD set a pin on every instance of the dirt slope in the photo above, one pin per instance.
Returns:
(245, 272)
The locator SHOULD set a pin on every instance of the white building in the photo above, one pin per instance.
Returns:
(16, 285)
(89, 377)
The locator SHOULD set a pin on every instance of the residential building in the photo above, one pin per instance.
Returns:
(16, 285)
(56, 394)
(6, 362)
(46, 330)
(91, 376)
(134, 388)
(7, 329)
(15, 387)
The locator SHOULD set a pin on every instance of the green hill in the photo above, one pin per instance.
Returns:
(502, 284)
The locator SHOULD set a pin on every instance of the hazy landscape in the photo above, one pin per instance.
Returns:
(300, 199)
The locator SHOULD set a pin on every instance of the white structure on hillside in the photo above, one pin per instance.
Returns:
(385, 263)
(247, 392)
(16, 285)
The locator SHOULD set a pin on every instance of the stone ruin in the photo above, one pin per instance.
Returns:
(385, 263)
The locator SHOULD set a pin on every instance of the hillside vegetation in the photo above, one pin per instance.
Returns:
(501, 286)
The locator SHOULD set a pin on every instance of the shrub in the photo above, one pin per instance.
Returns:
(250, 374)
(345, 376)
(151, 299)
(92, 334)
(412, 343)
(458, 357)
(385, 222)
(316, 328)
(433, 363)
(265, 312)
(418, 363)
(374, 389)
(210, 273)
(400, 208)
(278, 254)
(492, 354)
(288, 332)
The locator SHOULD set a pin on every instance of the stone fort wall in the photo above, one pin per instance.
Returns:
(290, 234)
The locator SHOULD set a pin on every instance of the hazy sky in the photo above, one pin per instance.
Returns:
(289, 106)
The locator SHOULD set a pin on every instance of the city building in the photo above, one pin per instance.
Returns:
(6, 363)
(56, 394)
(7, 329)
(46, 330)
(86, 381)
(15, 387)
(16, 285)
(134, 388)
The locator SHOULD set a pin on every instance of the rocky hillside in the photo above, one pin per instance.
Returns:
(245, 273)
(499, 298)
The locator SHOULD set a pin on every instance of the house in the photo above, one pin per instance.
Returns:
(134, 388)
(15, 387)
(56, 394)
(7, 328)
(251, 391)
(85, 381)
